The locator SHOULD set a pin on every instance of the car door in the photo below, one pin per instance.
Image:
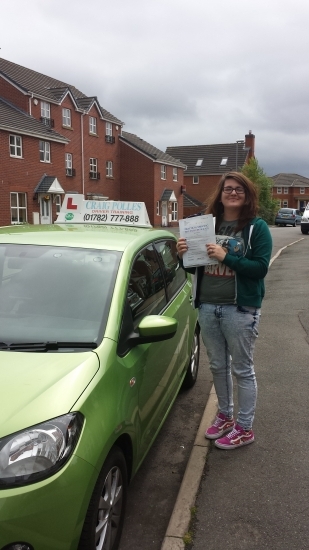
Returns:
(180, 301)
(155, 365)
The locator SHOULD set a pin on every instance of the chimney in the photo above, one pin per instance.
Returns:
(250, 142)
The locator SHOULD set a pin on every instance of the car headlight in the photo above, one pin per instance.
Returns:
(38, 452)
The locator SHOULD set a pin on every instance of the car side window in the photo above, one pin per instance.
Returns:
(175, 276)
(146, 291)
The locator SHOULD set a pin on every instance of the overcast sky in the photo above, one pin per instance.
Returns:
(179, 72)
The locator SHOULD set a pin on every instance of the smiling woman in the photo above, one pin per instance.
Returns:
(229, 296)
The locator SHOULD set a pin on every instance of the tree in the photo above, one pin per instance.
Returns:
(268, 206)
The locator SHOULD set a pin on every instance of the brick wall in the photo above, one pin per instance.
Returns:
(12, 94)
(141, 181)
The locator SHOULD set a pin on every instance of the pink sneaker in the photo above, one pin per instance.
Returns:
(221, 426)
(236, 438)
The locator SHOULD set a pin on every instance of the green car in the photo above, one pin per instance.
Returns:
(97, 335)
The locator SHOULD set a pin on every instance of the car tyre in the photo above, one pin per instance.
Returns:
(193, 366)
(105, 515)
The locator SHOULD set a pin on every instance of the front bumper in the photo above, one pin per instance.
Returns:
(48, 515)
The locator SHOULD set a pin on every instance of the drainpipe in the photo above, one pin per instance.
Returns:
(30, 104)
(82, 146)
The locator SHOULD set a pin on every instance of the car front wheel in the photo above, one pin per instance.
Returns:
(105, 514)
(193, 365)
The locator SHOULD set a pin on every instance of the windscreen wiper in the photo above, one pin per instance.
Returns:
(45, 346)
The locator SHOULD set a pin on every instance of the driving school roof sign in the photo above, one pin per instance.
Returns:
(75, 209)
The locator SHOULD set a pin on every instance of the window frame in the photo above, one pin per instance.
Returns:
(175, 173)
(163, 171)
(174, 211)
(109, 168)
(58, 203)
(45, 109)
(194, 180)
(279, 190)
(18, 208)
(302, 190)
(108, 129)
(93, 125)
(285, 190)
(66, 117)
(68, 160)
(44, 148)
(93, 167)
(15, 146)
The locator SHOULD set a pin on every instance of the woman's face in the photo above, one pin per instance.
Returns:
(235, 199)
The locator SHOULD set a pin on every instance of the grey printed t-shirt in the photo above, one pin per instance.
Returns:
(218, 283)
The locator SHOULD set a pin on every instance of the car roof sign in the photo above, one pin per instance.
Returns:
(75, 209)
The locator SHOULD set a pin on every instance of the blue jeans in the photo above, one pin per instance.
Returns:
(229, 333)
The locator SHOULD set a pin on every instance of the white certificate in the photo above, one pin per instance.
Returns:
(198, 231)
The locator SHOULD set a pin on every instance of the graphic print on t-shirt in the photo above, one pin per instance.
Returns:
(233, 244)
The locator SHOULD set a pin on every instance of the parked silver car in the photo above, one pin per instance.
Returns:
(288, 216)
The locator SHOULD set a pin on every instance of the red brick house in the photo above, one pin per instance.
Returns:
(143, 166)
(291, 190)
(54, 139)
(205, 166)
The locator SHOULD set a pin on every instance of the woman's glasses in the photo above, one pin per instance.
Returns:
(229, 190)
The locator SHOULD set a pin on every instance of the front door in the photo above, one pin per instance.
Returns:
(45, 210)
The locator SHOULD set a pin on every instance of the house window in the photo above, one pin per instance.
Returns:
(58, 203)
(199, 162)
(285, 190)
(224, 161)
(109, 169)
(163, 172)
(279, 190)
(92, 125)
(94, 174)
(109, 129)
(44, 151)
(195, 179)
(69, 170)
(158, 208)
(285, 204)
(66, 117)
(45, 109)
(175, 174)
(15, 146)
(18, 208)
(174, 211)
(302, 190)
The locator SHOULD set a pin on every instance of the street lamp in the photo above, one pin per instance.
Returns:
(237, 142)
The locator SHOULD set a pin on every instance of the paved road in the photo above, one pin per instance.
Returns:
(257, 497)
(153, 492)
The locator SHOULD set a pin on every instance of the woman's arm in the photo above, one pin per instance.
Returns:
(256, 266)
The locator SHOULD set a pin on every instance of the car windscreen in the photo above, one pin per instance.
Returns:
(55, 294)
(286, 210)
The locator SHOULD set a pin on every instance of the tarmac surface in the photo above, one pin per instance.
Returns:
(257, 497)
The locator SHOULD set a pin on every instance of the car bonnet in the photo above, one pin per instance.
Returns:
(35, 387)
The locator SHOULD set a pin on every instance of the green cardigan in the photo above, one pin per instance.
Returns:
(250, 269)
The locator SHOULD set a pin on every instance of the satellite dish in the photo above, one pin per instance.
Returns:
(35, 101)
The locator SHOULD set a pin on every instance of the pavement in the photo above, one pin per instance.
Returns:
(257, 497)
